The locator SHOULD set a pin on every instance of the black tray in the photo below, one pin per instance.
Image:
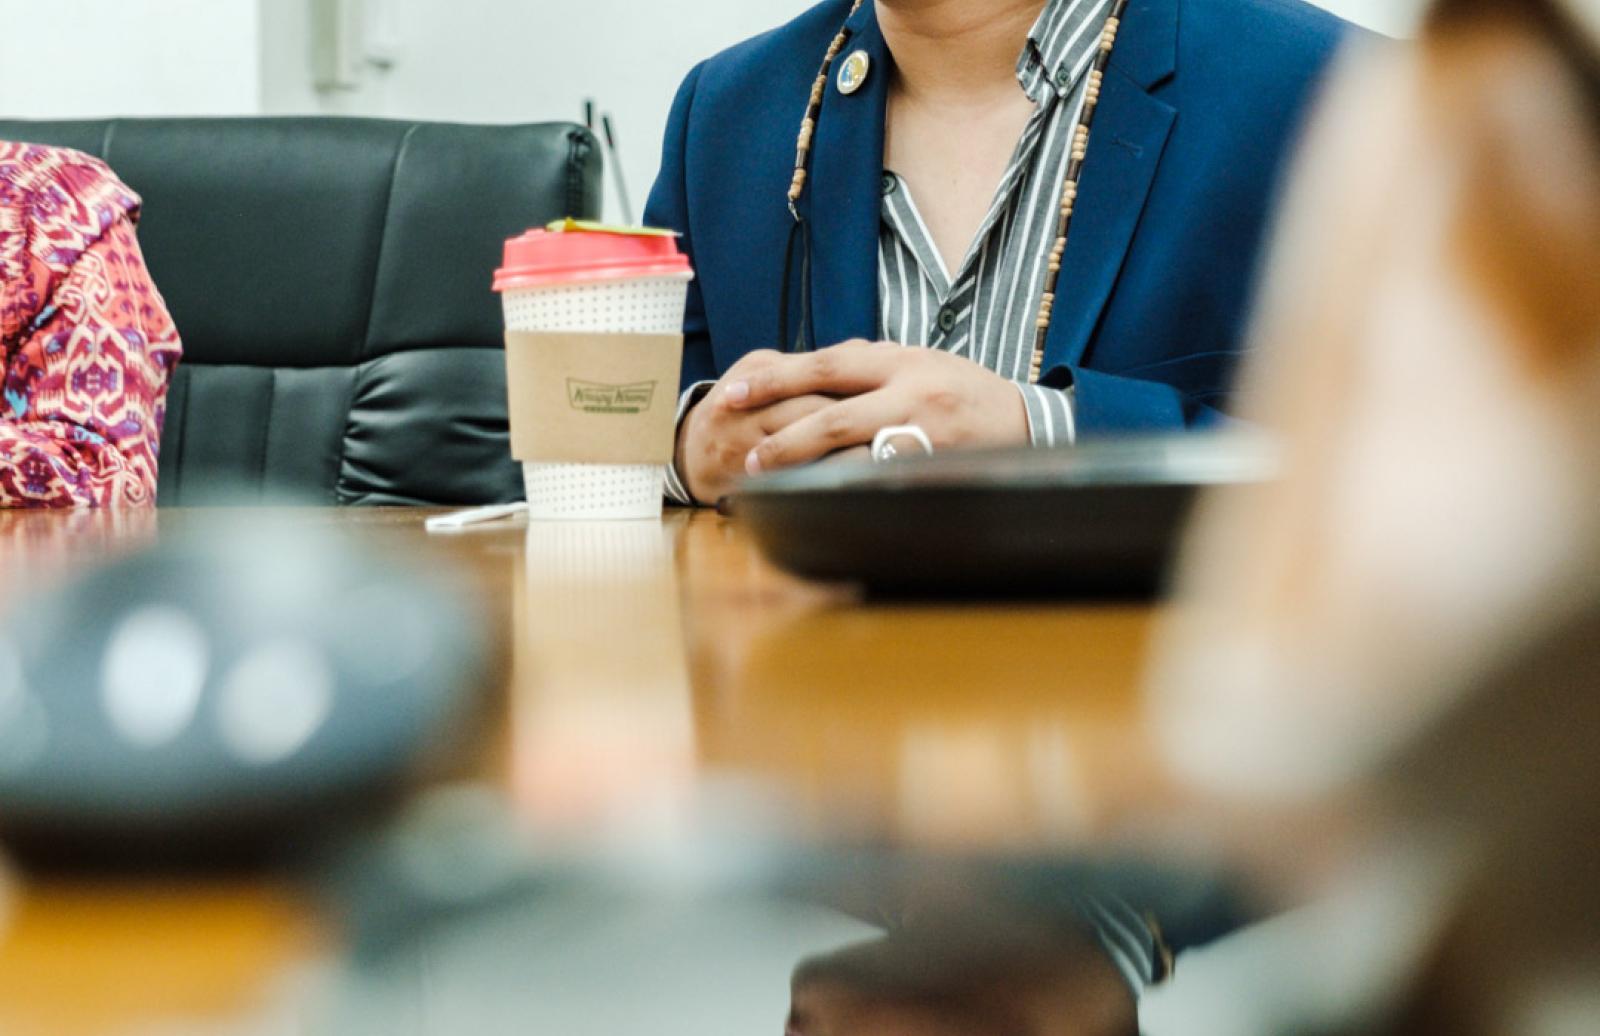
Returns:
(1099, 519)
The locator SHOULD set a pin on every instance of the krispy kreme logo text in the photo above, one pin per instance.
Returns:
(595, 397)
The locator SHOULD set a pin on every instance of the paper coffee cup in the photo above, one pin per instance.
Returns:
(594, 340)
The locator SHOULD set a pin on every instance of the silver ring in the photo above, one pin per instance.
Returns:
(884, 449)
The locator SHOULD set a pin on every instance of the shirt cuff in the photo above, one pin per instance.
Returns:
(1127, 939)
(677, 489)
(1051, 421)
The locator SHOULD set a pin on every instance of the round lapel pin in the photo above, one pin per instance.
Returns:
(854, 72)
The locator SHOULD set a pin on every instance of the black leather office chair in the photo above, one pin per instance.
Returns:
(330, 279)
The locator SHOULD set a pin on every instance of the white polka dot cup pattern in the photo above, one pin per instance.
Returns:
(594, 282)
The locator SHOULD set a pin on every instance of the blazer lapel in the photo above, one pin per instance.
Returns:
(1125, 147)
(843, 200)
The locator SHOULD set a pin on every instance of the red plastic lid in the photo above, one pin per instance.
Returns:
(570, 252)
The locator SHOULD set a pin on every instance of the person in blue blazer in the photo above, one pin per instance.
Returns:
(1061, 201)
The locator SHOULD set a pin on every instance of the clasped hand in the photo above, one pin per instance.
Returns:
(774, 410)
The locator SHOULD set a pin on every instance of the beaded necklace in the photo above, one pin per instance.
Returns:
(1069, 189)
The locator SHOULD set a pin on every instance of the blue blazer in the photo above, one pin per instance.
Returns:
(1200, 109)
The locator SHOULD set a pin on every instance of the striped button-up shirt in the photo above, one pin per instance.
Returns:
(986, 310)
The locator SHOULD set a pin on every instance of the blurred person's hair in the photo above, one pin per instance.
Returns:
(1429, 353)
(1428, 349)
(1533, 236)
(1515, 760)
(1565, 25)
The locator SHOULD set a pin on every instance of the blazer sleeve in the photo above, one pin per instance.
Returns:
(669, 207)
(1111, 404)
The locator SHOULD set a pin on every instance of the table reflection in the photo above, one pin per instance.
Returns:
(955, 725)
(984, 970)
(601, 709)
(45, 546)
(459, 924)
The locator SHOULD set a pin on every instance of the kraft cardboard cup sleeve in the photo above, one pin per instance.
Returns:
(593, 349)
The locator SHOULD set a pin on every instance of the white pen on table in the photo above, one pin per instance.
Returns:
(458, 520)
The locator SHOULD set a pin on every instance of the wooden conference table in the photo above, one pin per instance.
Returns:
(638, 660)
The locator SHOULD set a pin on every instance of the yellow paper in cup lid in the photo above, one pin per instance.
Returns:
(586, 226)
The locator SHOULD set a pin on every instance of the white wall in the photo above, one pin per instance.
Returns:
(89, 58)
(1392, 17)
(533, 60)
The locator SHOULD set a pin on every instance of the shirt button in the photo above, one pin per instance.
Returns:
(889, 184)
(1063, 76)
(947, 319)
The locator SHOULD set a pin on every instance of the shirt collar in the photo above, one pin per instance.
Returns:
(1061, 46)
